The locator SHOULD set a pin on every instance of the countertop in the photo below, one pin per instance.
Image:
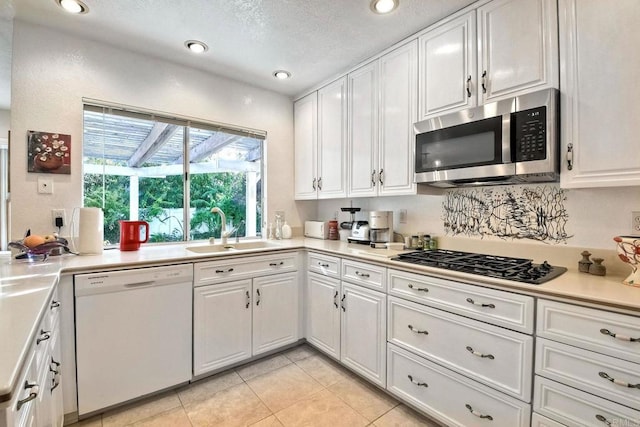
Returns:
(25, 287)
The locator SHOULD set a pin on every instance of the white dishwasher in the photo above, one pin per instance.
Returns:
(133, 333)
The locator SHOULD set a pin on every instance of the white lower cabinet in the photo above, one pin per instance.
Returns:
(538, 420)
(575, 408)
(347, 321)
(222, 325)
(495, 356)
(37, 398)
(363, 337)
(323, 313)
(238, 319)
(449, 397)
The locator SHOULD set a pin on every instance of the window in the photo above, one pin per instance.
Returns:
(139, 165)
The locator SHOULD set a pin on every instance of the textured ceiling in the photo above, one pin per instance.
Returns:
(248, 39)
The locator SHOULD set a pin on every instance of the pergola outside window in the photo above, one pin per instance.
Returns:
(147, 166)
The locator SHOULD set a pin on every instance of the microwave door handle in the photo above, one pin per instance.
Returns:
(506, 138)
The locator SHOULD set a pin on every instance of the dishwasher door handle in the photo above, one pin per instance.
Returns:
(139, 284)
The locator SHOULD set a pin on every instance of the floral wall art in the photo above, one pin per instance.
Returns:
(48, 152)
(535, 213)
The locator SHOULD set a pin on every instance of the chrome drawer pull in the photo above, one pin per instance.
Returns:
(313, 184)
(478, 414)
(417, 331)
(275, 264)
(470, 301)
(603, 419)
(225, 271)
(477, 353)
(618, 382)
(335, 299)
(55, 304)
(323, 265)
(44, 335)
(258, 298)
(248, 300)
(342, 302)
(418, 383)
(34, 393)
(618, 336)
(410, 286)
(373, 178)
(55, 384)
(362, 274)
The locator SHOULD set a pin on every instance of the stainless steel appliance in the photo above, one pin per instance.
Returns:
(516, 269)
(381, 226)
(359, 232)
(133, 333)
(510, 141)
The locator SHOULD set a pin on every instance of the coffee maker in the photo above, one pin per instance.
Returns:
(380, 226)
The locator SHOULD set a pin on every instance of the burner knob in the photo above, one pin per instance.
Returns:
(545, 266)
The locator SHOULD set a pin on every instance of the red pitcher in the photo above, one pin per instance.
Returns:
(130, 232)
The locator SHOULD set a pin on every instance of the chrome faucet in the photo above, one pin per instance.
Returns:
(223, 228)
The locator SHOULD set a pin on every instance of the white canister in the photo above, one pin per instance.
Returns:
(90, 231)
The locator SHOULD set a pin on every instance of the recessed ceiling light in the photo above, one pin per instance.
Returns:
(384, 6)
(281, 74)
(73, 6)
(196, 46)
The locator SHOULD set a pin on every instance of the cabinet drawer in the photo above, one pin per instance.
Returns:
(576, 408)
(449, 397)
(368, 275)
(243, 268)
(589, 371)
(589, 328)
(495, 356)
(501, 308)
(324, 264)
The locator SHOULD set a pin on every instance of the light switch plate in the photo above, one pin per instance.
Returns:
(45, 186)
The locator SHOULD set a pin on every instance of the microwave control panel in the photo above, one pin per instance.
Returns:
(528, 132)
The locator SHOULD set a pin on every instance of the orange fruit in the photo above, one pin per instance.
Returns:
(32, 241)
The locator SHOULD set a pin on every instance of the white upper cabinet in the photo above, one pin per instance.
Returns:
(448, 66)
(502, 49)
(398, 113)
(518, 47)
(332, 140)
(305, 112)
(599, 83)
(382, 110)
(363, 131)
(320, 121)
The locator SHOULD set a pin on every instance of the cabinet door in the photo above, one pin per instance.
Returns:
(398, 113)
(275, 311)
(323, 313)
(448, 67)
(221, 325)
(363, 338)
(332, 140)
(599, 62)
(305, 121)
(362, 162)
(518, 49)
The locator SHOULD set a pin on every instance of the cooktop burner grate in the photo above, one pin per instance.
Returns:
(517, 269)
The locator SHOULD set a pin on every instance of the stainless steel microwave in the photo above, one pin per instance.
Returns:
(514, 140)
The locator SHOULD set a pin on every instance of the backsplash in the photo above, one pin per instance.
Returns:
(515, 212)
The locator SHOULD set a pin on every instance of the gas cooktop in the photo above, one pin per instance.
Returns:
(516, 269)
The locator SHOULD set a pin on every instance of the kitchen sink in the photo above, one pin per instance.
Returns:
(232, 247)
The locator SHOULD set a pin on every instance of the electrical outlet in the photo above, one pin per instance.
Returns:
(58, 213)
(635, 222)
(403, 216)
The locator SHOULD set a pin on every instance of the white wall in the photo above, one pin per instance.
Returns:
(5, 116)
(595, 215)
(53, 71)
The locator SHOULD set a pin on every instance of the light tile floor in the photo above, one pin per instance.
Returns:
(298, 387)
